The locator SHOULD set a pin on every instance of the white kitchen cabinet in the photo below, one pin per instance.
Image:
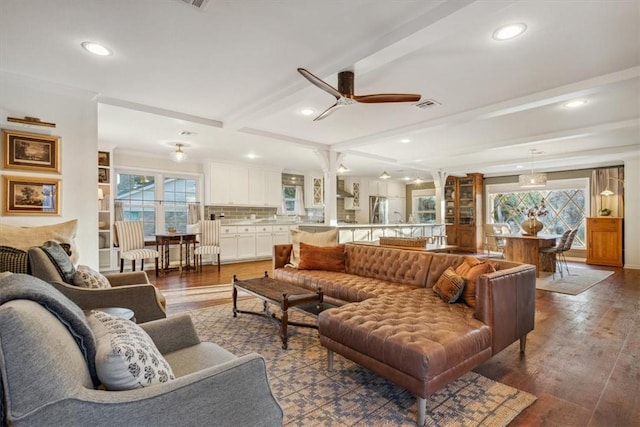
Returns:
(228, 243)
(378, 188)
(265, 188)
(352, 185)
(264, 241)
(226, 184)
(281, 234)
(395, 189)
(313, 191)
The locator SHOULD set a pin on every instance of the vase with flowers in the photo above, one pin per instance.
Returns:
(531, 225)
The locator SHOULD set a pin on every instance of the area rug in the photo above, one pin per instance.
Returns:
(578, 281)
(197, 294)
(349, 395)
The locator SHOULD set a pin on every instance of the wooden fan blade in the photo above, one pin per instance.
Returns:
(387, 97)
(328, 111)
(320, 83)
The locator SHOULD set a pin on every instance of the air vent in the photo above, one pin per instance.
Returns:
(427, 104)
(198, 4)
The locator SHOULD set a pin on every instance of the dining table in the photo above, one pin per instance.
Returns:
(525, 248)
(187, 245)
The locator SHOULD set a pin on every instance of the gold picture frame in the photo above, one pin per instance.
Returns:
(31, 196)
(31, 151)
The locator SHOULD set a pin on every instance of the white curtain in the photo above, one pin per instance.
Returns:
(193, 213)
(299, 207)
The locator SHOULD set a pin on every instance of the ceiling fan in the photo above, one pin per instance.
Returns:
(345, 96)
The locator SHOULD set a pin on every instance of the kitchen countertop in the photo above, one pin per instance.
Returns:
(340, 226)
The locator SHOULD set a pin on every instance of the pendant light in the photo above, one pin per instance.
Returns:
(385, 175)
(342, 168)
(178, 155)
(533, 180)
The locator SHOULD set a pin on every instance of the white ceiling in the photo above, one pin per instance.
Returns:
(228, 74)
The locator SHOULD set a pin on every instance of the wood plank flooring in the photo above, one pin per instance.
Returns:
(582, 359)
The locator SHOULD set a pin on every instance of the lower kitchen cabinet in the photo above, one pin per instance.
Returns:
(247, 242)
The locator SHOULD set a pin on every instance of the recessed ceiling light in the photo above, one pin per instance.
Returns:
(576, 103)
(405, 140)
(307, 111)
(509, 32)
(96, 49)
(252, 156)
(519, 167)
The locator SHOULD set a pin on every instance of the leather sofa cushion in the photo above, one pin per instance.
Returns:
(342, 286)
(330, 258)
(388, 264)
(414, 332)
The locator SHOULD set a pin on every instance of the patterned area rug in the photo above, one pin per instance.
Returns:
(577, 281)
(349, 395)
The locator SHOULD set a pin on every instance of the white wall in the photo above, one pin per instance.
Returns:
(631, 209)
(75, 113)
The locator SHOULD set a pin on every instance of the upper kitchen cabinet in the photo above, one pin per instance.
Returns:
(352, 185)
(227, 184)
(396, 190)
(378, 188)
(313, 191)
(265, 187)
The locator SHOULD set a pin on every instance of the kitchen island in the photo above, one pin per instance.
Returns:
(371, 232)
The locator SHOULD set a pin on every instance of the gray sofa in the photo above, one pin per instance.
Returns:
(46, 379)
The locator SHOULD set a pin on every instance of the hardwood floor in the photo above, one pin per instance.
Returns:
(582, 360)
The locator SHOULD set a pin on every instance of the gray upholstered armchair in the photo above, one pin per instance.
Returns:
(47, 381)
(130, 290)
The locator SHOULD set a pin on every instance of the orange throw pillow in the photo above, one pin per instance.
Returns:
(470, 269)
(330, 258)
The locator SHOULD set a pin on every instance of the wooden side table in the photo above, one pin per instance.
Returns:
(187, 244)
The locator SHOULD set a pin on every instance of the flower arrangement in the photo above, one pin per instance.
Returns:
(535, 211)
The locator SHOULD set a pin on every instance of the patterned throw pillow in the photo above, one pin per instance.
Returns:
(470, 269)
(126, 356)
(87, 277)
(330, 258)
(449, 286)
(60, 259)
(13, 260)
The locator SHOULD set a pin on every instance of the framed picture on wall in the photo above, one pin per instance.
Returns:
(103, 176)
(103, 158)
(31, 196)
(31, 151)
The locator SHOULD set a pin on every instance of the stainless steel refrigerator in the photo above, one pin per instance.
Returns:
(378, 210)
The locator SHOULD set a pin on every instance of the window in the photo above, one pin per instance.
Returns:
(424, 206)
(566, 202)
(289, 194)
(159, 201)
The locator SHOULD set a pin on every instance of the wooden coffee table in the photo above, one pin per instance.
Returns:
(285, 295)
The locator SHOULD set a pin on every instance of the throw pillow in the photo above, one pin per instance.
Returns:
(449, 286)
(87, 277)
(13, 260)
(60, 259)
(470, 269)
(325, 238)
(26, 237)
(330, 258)
(126, 356)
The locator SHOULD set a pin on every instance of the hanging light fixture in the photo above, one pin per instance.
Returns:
(385, 175)
(533, 180)
(342, 168)
(178, 155)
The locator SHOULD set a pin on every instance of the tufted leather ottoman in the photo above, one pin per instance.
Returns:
(413, 338)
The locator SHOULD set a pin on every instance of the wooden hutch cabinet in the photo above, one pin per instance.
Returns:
(604, 241)
(463, 211)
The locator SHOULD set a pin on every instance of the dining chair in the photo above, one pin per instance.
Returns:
(132, 246)
(556, 252)
(493, 240)
(209, 241)
(567, 247)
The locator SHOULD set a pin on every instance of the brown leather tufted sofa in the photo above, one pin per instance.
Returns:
(391, 321)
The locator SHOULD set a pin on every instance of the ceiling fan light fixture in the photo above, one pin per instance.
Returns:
(509, 32)
(533, 180)
(178, 155)
(385, 175)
